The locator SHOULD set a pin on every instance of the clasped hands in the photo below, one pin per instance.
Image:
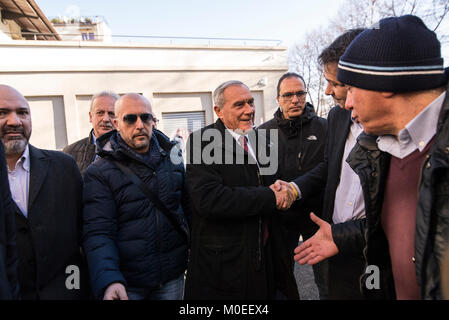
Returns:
(285, 194)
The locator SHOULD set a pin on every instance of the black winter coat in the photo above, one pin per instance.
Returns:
(49, 239)
(125, 237)
(344, 269)
(432, 214)
(9, 285)
(83, 151)
(231, 204)
(301, 145)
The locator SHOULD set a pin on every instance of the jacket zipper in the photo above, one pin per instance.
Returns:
(158, 242)
(260, 239)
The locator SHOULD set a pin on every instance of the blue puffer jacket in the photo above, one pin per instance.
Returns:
(125, 237)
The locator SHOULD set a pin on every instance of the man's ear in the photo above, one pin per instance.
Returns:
(279, 104)
(90, 116)
(218, 111)
(115, 122)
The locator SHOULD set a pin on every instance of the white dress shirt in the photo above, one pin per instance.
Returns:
(349, 203)
(237, 136)
(19, 181)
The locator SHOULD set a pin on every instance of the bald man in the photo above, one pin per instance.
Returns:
(135, 210)
(46, 189)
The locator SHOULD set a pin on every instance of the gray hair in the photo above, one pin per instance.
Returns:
(111, 94)
(218, 93)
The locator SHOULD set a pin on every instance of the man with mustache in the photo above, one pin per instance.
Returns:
(136, 213)
(238, 249)
(101, 116)
(46, 187)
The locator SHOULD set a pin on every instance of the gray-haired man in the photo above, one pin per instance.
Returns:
(100, 115)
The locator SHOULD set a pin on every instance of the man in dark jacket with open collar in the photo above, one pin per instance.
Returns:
(301, 140)
(237, 246)
(136, 249)
(9, 285)
(46, 187)
(397, 89)
(343, 204)
(101, 114)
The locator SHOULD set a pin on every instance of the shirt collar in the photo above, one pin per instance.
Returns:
(423, 127)
(356, 128)
(94, 139)
(235, 134)
(24, 160)
(416, 134)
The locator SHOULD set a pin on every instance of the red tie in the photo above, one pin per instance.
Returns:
(243, 142)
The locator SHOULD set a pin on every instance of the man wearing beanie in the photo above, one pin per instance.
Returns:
(397, 89)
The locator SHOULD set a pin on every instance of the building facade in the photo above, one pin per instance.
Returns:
(59, 78)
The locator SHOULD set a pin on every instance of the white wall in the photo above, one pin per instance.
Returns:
(61, 77)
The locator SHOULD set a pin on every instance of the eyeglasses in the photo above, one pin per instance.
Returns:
(132, 118)
(298, 94)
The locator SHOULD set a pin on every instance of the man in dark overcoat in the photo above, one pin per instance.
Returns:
(237, 247)
(46, 188)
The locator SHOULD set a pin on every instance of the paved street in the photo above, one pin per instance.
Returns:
(306, 282)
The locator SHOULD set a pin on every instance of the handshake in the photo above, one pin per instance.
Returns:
(285, 194)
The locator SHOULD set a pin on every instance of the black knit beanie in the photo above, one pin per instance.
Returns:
(398, 54)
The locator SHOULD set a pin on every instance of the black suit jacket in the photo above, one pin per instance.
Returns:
(326, 175)
(346, 267)
(9, 286)
(48, 240)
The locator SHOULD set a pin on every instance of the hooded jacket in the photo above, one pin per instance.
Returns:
(301, 144)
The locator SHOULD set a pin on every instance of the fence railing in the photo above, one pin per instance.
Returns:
(172, 40)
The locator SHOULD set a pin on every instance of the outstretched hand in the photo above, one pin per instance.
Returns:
(319, 247)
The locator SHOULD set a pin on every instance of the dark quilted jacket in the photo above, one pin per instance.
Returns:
(125, 237)
(83, 151)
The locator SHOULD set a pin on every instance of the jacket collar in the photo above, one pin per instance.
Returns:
(307, 115)
(108, 145)
(440, 148)
(39, 164)
(91, 135)
(291, 127)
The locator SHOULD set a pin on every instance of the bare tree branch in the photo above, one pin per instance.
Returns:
(358, 13)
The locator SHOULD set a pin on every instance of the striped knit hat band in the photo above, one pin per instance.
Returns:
(400, 54)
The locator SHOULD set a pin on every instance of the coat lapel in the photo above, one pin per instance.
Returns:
(17, 210)
(39, 165)
(343, 135)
